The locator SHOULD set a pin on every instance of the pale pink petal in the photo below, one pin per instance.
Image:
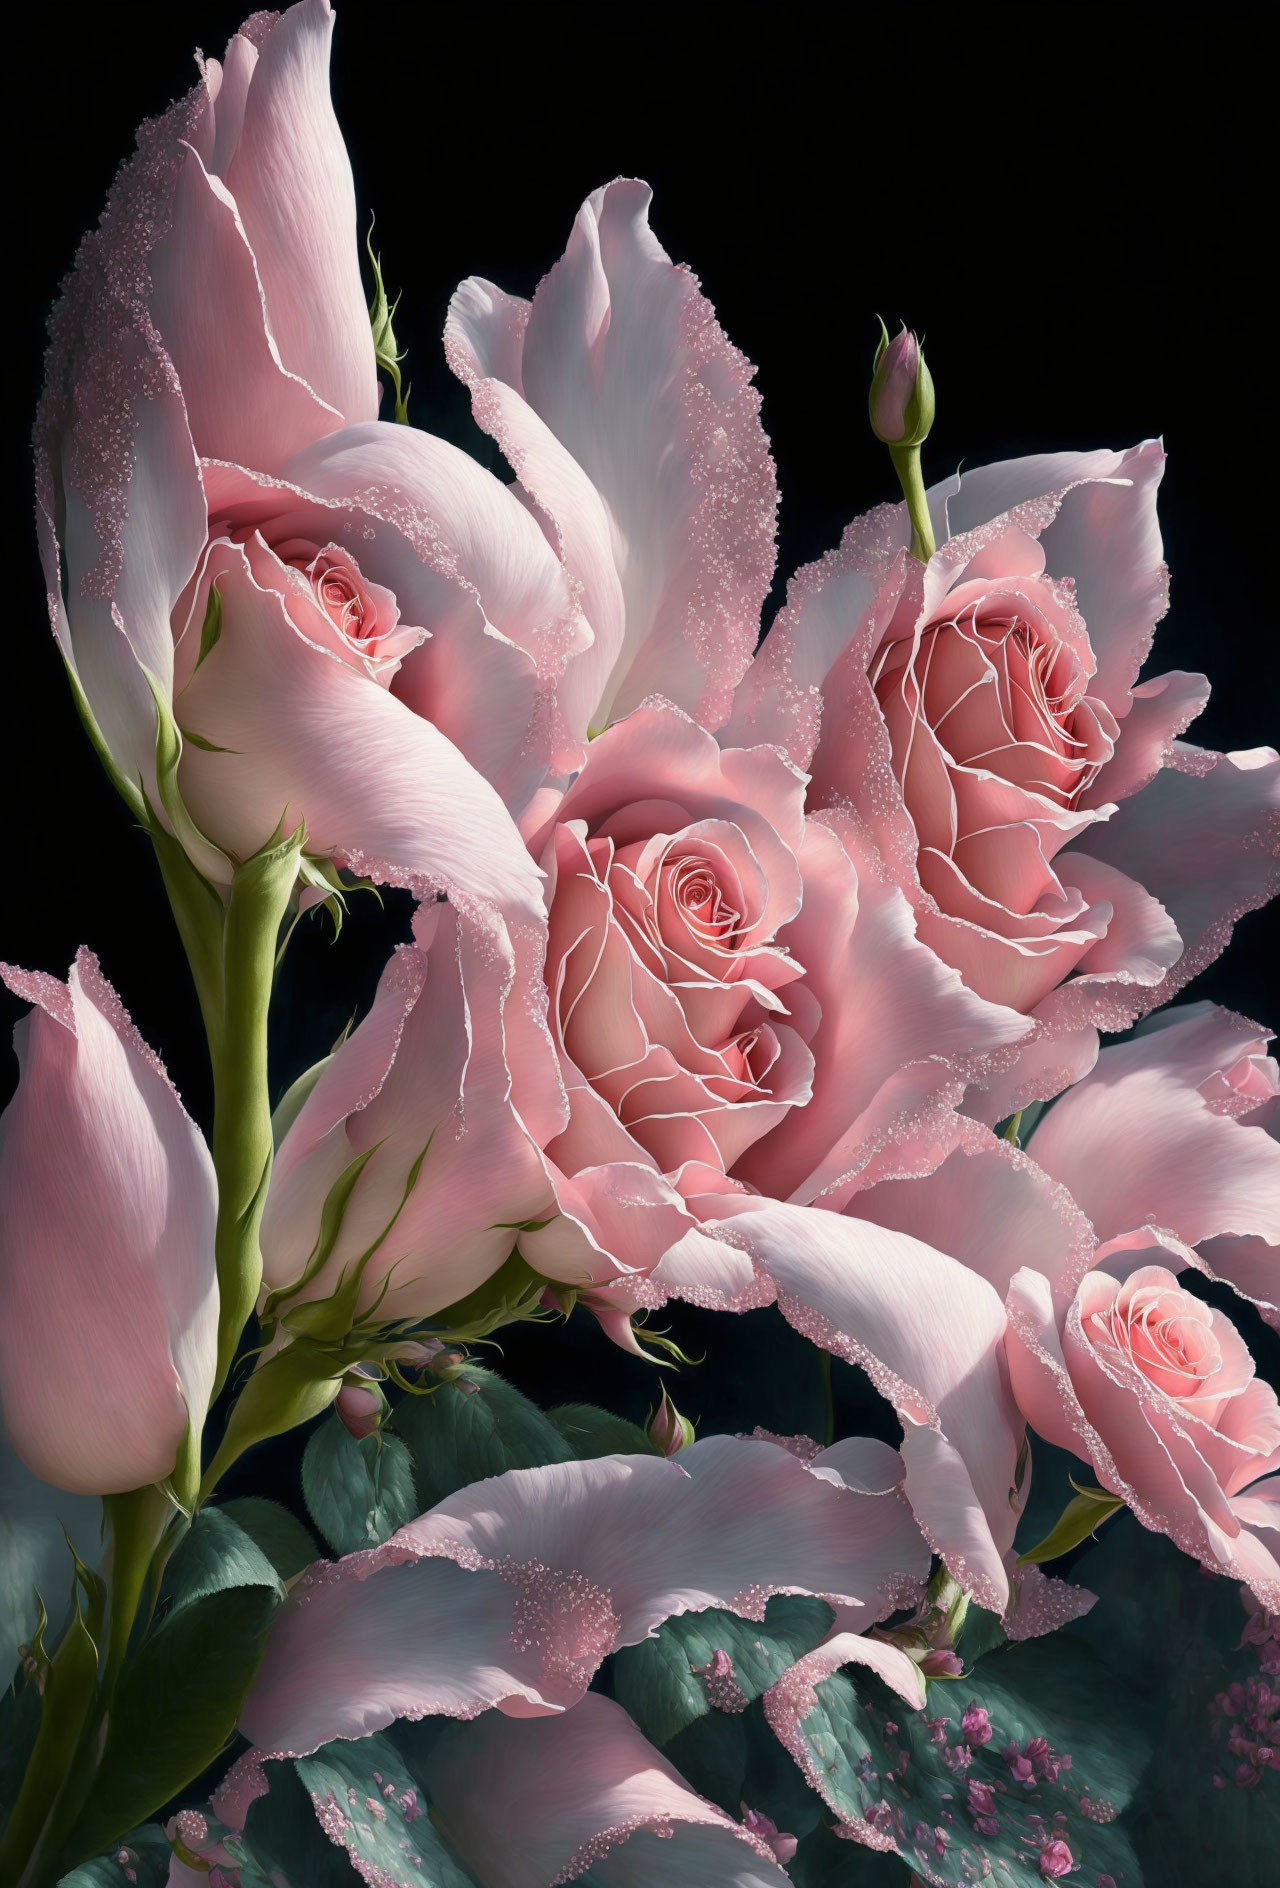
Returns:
(989, 1206)
(1204, 839)
(843, 601)
(1056, 1054)
(624, 361)
(886, 1001)
(291, 179)
(424, 1081)
(929, 1333)
(533, 1803)
(1159, 711)
(484, 340)
(1138, 1145)
(116, 470)
(306, 737)
(1141, 941)
(108, 1290)
(511, 1592)
(207, 301)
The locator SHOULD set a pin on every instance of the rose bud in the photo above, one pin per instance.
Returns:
(667, 1429)
(901, 401)
(360, 1402)
(108, 1289)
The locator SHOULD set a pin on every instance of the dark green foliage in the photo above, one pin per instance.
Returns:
(357, 1492)
(1176, 1633)
(657, 1683)
(590, 1431)
(175, 1709)
(215, 1553)
(470, 1429)
(280, 1535)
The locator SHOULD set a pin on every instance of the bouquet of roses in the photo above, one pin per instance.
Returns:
(766, 980)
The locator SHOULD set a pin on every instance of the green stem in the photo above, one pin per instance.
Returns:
(231, 948)
(242, 1145)
(137, 1522)
(68, 1697)
(906, 463)
(286, 1389)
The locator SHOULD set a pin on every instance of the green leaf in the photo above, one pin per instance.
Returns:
(471, 1428)
(385, 1826)
(282, 1840)
(592, 1432)
(19, 1722)
(656, 1683)
(879, 1760)
(332, 1213)
(283, 1539)
(146, 1851)
(290, 1104)
(211, 628)
(357, 1492)
(1178, 1637)
(1082, 1516)
(214, 1554)
(175, 1710)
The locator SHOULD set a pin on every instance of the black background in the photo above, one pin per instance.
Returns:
(1064, 202)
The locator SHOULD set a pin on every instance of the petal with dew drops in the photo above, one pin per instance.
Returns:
(531, 1803)
(623, 359)
(930, 1335)
(511, 1592)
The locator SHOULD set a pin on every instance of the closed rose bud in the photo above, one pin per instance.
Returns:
(667, 1429)
(108, 1288)
(360, 1402)
(901, 402)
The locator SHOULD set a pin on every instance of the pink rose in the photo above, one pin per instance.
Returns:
(733, 1006)
(1170, 1145)
(981, 716)
(1158, 1391)
(743, 1016)
(108, 1289)
(209, 422)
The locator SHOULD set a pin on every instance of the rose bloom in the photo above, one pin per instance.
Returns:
(1172, 1143)
(982, 718)
(351, 622)
(733, 1012)
(1158, 1391)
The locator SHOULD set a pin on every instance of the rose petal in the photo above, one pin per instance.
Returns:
(1204, 841)
(567, 1562)
(624, 361)
(929, 1333)
(530, 1803)
(307, 737)
(291, 179)
(109, 1206)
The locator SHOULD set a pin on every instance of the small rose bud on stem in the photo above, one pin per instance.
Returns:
(361, 1402)
(901, 405)
(667, 1429)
